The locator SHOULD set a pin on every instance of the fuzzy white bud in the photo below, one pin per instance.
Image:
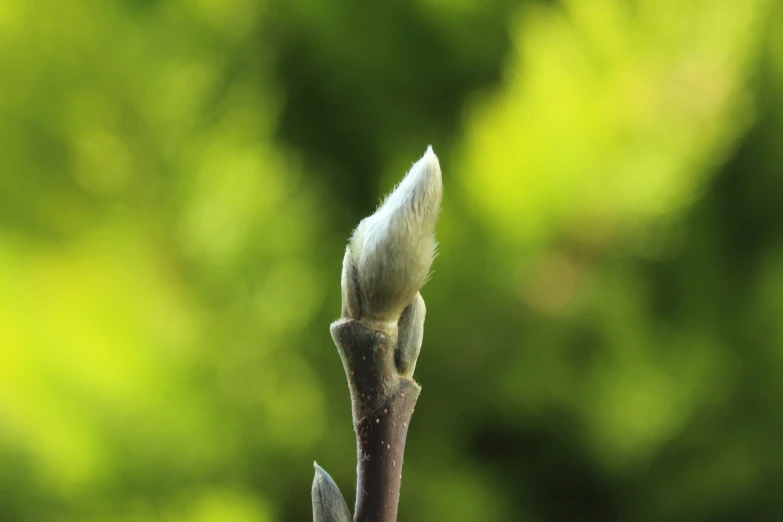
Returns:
(390, 253)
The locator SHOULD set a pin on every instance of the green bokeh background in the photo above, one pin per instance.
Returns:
(178, 179)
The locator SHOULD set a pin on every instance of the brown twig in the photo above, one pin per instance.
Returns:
(383, 404)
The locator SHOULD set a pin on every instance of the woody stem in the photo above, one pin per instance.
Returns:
(382, 404)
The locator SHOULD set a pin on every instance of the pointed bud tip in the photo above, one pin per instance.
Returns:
(430, 155)
(427, 164)
(320, 473)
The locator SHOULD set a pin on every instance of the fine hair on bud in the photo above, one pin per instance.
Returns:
(390, 253)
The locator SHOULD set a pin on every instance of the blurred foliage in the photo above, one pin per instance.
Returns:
(177, 182)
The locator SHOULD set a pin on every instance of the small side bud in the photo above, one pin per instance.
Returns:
(410, 329)
(390, 253)
(328, 503)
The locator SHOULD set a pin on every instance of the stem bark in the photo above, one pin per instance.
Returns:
(382, 404)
